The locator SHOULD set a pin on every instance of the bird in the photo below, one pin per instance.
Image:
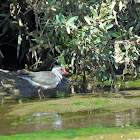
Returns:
(45, 79)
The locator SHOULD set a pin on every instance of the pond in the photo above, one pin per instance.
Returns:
(62, 121)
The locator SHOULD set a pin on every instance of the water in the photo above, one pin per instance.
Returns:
(54, 121)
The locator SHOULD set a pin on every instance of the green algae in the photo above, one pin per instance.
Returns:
(53, 104)
(98, 101)
(80, 103)
(73, 133)
(47, 120)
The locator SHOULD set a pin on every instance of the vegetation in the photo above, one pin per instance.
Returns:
(97, 37)
(85, 133)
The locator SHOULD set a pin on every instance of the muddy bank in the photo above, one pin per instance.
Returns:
(74, 104)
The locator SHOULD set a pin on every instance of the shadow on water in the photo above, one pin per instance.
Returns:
(54, 121)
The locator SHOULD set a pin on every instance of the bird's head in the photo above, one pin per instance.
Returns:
(59, 70)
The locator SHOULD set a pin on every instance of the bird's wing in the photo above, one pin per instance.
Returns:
(44, 78)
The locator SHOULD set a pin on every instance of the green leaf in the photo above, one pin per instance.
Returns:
(123, 48)
(109, 26)
(15, 3)
(77, 42)
(128, 32)
(68, 29)
(57, 49)
(102, 37)
(62, 59)
(137, 27)
(108, 36)
(87, 20)
(72, 19)
(62, 18)
(33, 48)
(59, 46)
(127, 47)
(45, 45)
(133, 39)
(122, 53)
(95, 29)
(86, 27)
(116, 65)
(130, 24)
(53, 2)
(119, 37)
(104, 78)
(104, 23)
(72, 25)
(130, 29)
(38, 41)
(94, 12)
(111, 17)
(113, 34)
(57, 18)
(73, 58)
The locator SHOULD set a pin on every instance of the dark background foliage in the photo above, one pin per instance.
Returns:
(96, 37)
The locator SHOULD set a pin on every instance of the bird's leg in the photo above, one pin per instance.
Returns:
(41, 92)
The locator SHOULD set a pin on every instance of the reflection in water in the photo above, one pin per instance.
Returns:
(74, 121)
(54, 118)
(128, 117)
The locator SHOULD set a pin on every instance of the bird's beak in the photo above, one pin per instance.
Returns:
(66, 72)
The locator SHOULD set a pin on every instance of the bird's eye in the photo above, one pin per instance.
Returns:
(61, 69)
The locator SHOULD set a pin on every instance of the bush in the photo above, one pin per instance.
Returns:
(87, 36)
